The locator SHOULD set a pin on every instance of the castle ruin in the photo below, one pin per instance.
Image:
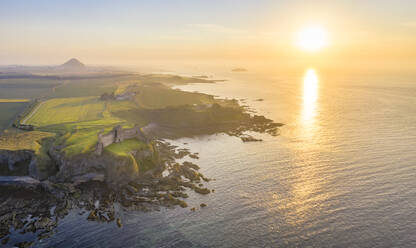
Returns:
(117, 135)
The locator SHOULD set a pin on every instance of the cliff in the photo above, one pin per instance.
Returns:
(18, 163)
(114, 170)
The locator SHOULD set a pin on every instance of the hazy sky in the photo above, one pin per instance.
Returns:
(121, 32)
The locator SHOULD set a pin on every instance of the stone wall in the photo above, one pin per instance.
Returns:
(118, 134)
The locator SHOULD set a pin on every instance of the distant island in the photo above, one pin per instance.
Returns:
(239, 70)
(103, 137)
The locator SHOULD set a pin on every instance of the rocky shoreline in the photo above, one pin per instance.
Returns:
(38, 209)
(98, 184)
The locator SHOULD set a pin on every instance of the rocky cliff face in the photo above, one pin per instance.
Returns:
(19, 163)
(112, 169)
(116, 171)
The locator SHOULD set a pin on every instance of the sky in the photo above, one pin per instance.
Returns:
(122, 32)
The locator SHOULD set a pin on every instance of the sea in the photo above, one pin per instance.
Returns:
(342, 172)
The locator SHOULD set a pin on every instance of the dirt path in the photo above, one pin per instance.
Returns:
(31, 114)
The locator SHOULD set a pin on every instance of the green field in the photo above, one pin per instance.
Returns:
(85, 87)
(72, 109)
(156, 96)
(66, 110)
(13, 100)
(23, 141)
(125, 147)
(28, 88)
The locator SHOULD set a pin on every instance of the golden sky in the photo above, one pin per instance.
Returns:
(122, 32)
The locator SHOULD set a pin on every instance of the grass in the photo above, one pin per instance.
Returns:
(80, 142)
(77, 116)
(169, 79)
(81, 137)
(78, 120)
(124, 148)
(85, 87)
(13, 100)
(67, 110)
(23, 141)
(27, 88)
(152, 96)
(36, 141)
(126, 110)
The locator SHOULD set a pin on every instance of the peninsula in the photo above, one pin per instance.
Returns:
(103, 136)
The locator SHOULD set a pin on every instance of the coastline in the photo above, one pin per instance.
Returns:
(149, 192)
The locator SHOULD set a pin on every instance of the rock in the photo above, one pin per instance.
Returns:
(25, 244)
(110, 216)
(99, 177)
(4, 231)
(103, 217)
(19, 181)
(44, 223)
(30, 228)
(202, 191)
(47, 186)
(13, 159)
(5, 241)
(183, 204)
(249, 138)
(203, 205)
(91, 167)
(44, 235)
(193, 209)
(92, 216)
(131, 189)
(191, 165)
(18, 224)
(119, 222)
(194, 156)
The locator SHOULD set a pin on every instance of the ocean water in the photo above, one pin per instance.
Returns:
(342, 173)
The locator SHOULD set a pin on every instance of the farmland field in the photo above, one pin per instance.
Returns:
(154, 96)
(13, 100)
(26, 88)
(64, 110)
(86, 87)
(72, 108)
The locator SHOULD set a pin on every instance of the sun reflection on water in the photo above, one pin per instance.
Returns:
(310, 96)
(305, 198)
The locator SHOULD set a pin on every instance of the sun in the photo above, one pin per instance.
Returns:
(312, 39)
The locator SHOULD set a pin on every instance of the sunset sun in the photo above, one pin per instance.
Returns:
(312, 39)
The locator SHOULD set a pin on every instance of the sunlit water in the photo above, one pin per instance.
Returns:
(341, 174)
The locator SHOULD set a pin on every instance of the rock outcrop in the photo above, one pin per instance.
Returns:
(92, 167)
(19, 181)
(19, 163)
(120, 97)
